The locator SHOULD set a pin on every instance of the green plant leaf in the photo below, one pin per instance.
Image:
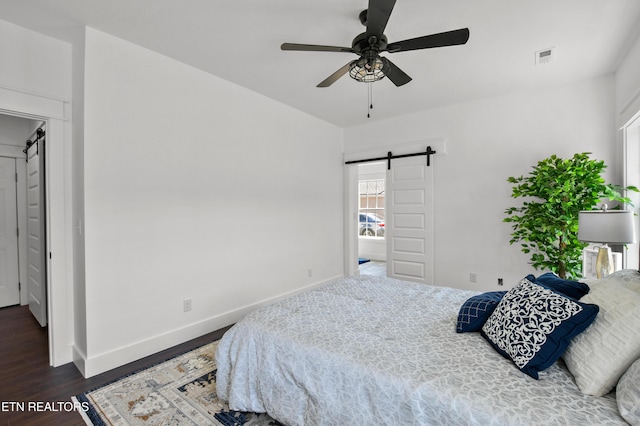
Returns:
(554, 192)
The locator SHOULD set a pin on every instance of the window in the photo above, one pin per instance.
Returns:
(632, 177)
(371, 208)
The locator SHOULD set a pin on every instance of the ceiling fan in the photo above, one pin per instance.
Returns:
(371, 66)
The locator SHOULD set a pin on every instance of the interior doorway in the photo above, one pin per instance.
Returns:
(409, 207)
(395, 226)
(22, 202)
(59, 162)
(372, 243)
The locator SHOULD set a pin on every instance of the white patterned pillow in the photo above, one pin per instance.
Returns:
(628, 394)
(599, 356)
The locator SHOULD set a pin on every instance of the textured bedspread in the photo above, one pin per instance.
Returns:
(370, 351)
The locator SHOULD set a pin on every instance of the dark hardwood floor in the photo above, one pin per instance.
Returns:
(26, 377)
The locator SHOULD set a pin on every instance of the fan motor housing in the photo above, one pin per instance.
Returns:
(362, 43)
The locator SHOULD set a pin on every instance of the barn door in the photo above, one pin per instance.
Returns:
(9, 276)
(36, 232)
(409, 221)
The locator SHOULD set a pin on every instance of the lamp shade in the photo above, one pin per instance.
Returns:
(606, 226)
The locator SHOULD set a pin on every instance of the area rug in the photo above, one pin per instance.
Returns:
(181, 391)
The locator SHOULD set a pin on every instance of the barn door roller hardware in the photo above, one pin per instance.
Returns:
(390, 157)
(39, 135)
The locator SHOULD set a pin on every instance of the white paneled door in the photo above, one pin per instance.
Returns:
(409, 221)
(36, 229)
(9, 275)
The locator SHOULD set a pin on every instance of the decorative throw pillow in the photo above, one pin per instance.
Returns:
(599, 356)
(573, 289)
(533, 325)
(629, 278)
(475, 311)
(628, 394)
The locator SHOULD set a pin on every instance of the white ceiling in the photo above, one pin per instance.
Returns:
(239, 40)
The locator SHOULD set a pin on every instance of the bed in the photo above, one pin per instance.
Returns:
(372, 350)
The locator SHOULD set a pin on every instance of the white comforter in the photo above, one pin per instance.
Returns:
(375, 351)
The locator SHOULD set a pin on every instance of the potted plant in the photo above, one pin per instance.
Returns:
(546, 224)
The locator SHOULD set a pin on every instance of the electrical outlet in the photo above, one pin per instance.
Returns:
(186, 305)
(500, 281)
(473, 277)
(309, 272)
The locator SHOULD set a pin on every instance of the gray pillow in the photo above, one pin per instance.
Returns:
(598, 357)
(628, 394)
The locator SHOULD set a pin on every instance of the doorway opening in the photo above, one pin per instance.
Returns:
(59, 237)
(22, 255)
(409, 204)
(372, 251)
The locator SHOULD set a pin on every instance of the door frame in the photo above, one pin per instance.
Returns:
(55, 113)
(11, 161)
(351, 190)
(350, 220)
(16, 154)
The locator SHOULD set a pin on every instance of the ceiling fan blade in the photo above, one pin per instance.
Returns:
(335, 76)
(449, 38)
(314, 48)
(393, 73)
(378, 15)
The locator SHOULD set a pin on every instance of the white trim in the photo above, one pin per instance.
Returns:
(633, 122)
(21, 169)
(12, 151)
(628, 105)
(625, 146)
(30, 106)
(36, 94)
(351, 221)
(108, 360)
(15, 152)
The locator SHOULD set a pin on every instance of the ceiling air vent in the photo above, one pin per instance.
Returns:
(545, 56)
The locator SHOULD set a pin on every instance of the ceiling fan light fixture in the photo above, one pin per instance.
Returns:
(367, 71)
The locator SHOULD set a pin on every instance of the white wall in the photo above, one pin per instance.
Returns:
(628, 85)
(487, 141)
(195, 188)
(14, 131)
(34, 62)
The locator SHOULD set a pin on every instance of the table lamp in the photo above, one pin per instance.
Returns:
(606, 227)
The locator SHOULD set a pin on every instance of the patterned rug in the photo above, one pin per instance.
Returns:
(181, 391)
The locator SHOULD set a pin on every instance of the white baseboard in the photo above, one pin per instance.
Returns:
(93, 365)
(79, 359)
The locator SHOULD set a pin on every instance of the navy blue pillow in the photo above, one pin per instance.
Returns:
(475, 311)
(570, 288)
(533, 325)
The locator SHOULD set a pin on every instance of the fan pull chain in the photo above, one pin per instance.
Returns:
(370, 99)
